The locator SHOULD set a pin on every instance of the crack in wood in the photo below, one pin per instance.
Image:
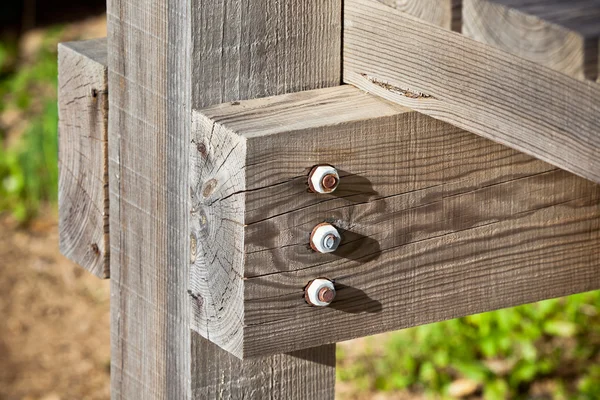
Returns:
(397, 90)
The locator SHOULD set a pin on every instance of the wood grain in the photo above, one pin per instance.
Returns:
(484, 90)
(576, 15)
(562, 35)
(297, 375)
(83, 154)
(219, 181)
(149, 46)
(443, 13)
(253, 49)
(155, 69)
(436, 222)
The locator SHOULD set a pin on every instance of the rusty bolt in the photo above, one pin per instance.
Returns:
(330, 182)
(323, 179)
(325, 238)
(319, 292)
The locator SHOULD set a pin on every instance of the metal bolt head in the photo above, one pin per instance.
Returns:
(326, 295)
(323, 179)
(330, 182)
(319, 292)
(325, 238)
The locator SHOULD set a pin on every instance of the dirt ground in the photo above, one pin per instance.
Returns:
(54, 330)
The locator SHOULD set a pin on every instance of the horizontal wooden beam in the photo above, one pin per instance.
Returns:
(83, 154)
(476, 87)
(436, 222)
(562, 35)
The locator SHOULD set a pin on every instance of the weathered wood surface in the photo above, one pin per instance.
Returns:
(254, 48)
(149, 44)
(562, 35)
(436, 222)
(577, 15)
(443, 13)
(474, 86)
(304, 374)
(219, 183)
(83, 154)
(152, 53)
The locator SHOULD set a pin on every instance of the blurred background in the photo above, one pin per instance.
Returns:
(54, 317)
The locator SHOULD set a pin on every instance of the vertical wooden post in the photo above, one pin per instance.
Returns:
(149, 76)
(159, 67)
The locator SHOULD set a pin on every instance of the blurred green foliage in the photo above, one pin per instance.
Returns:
(503, 351)
(28, 163)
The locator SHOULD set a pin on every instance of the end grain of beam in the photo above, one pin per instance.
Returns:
(561, 35)
(83, 154)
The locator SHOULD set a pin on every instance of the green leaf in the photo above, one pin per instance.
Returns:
(496, 390)
(523, 372)
(560, 328)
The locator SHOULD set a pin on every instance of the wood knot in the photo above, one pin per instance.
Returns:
(197, 297)
(193, 248)
(201, 147)
(95, 249)
(209, 187)
(203, 229)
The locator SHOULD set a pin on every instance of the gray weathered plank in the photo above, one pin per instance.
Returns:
(149, 44)
(254, 49)
(443, 13)
(436, 222)
(298, 375)
(159, 69)
(83, 154)
(473, 86)
(562, 35)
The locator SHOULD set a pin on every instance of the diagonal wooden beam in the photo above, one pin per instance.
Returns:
(484, 90)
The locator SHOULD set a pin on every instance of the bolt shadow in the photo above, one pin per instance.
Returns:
(351, 300)
(354, 188)
(324, 355)
(357, 247)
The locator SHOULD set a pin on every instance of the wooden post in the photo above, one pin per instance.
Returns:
(159, 67)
